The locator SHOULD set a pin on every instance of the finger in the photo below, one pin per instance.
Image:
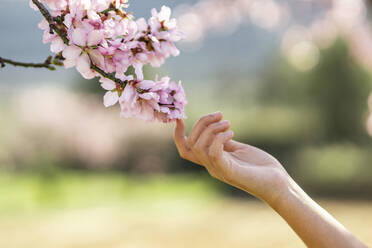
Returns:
(203, 123)
(181, 144)
(216, 164)
(232, 145)
(180, 138)
(209, 133)
(217, 147)
(179, 134)
(200, 149)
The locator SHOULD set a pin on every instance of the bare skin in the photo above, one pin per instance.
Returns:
(248, 168)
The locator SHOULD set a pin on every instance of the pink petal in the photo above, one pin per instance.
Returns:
(68, 20)
(79, 37)
(71, 52)
(95, 37)
(138, 70)
(146, 84)
(117, 4)
(69, 63)
(97, 58)
(141, 24)
(149, 96)
(110, 98)
(89, 74)
(165, 13)
(92, 15)
(33, 6)
(48, 37)
(123, 77)
(128, 94)
(107, 84)
(57, 45)
(83, 63)
(43, 24)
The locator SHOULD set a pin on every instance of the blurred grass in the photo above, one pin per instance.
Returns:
(95, 210)
(28, 193)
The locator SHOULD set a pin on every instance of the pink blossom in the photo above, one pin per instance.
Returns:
(76, 57)
(139, 105)
(57, 44)
(110, 41)
(161, 100)
(113, 90)
(55, 5)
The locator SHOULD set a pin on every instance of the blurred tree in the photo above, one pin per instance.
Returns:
(336, 89)
(339, 89)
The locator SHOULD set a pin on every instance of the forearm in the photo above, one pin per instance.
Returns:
(258, 173)
(315, 226)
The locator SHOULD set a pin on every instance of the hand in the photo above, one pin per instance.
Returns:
(210, 144)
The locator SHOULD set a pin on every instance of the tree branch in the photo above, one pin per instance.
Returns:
(109, 76)
(44, 11)
(47, 63)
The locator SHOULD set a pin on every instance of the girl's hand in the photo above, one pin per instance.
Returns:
(258, 173)
(210, 144)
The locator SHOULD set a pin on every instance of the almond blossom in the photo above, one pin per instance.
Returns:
(101, 39)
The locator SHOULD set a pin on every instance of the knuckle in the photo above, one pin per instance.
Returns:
(214, 126)
(206, 118)
(203, 119)
(220, 137)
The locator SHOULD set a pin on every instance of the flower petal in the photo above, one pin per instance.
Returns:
(107, 84)
(79, 37)
(33, 6)
(110, 98)
(146, 84)
(83, 63)
(68, 63)
(97, 58)
(57, 45)
(94, 38)
(71, 53)
(138, 70)
(165, 13)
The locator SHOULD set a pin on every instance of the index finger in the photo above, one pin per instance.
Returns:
(179, 137)
(181, 143)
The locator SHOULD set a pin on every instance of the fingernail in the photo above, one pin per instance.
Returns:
(216, 113)
(224, 122)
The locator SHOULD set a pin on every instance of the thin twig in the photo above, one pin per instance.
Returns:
(109, 76)
(47, 63)
(111, 8)
(44, 11)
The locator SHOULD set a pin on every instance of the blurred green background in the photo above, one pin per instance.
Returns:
(293, 77)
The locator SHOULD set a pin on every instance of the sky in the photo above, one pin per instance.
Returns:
(243, 51)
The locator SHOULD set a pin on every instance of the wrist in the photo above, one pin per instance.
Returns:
(286, 189)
